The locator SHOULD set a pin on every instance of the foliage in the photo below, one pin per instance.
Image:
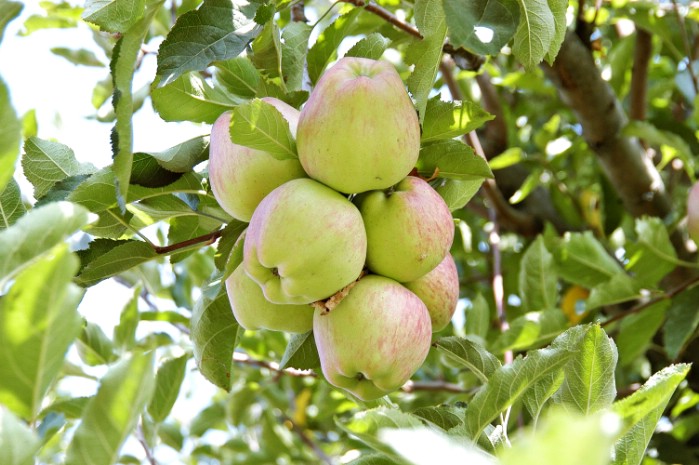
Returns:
(579, 312)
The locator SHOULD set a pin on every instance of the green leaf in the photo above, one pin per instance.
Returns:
(114, 15)
(94, 347)
(478, 318)
(637, 331)
(558, 10)
(651, 256)
(58, 15)
(468, 353)
(325, 47)
(446, 120)
(294, 46)
(457, 193)
(589, 377)
(45, 163)
(682, 321)
(535, 33)
(18, 444)
(10, 135)
(70, 408)
(452, 159)
(509, 382)
(8, 11)
(367, 424)
(111, 415)
(238, 75)
(38, 322)
(213, 334)
(620, 288)
(581, 259)
(372, 46)
(229, 238)
(538, 395)
(121, 258)
(261, 126)
(125, 331)
(36, 233)
(218, 30)
(654, 136)
(373, 459)
(564, 438)
(123, 67)
(167, 387)
(641, 411)
(533, 329)
(530, 183)
(11, 206)
(267, 53)
(301, 352)
(481, 26)
(78, 56)
(426, 54)
(191, 98)
(444, 416)
(538, 283)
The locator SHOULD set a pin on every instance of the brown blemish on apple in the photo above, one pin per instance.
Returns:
(327, 305)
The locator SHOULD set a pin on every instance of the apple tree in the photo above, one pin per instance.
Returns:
(407, 232)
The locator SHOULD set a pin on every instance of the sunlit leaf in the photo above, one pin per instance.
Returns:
(481, 26)
(114, 15)
(11, 206)
(18, 443)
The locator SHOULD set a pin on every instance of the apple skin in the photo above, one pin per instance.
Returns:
(358, 131)
(304, 243)
(409, 229)
(240, 176)
(693, 213)
(254, 312)
(439, 290)
(373, 341)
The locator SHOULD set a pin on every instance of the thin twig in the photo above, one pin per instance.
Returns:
(126, 224)
(298, 14)
(244, 359)
(687, 46)
(142, 439)
(308, 441)
(642, 306)
(205, 239)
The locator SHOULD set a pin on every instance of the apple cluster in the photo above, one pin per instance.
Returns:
(342, 241)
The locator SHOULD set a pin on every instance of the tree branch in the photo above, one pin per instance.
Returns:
(639, 75)
(206, 239)
(244, 359)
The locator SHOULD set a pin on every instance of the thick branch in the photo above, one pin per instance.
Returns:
(582, 88)
(639, 75)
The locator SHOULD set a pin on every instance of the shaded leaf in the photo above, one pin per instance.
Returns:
(558, 10)
(185, 156)
(38, 322)
(45, 163)
(538, 283)
(114, 15)
(11, 206)
(457, 193)
(213, 332)
(167, 387)
(301, 352)
(218, 30)
(452, 159)
(125, 331)
(478, 317)
(426, 54)
(106, 423)
(294, 47)
(372, 46)
(325, 47)
(120, 258)
(446, 120)
(444, 416)
(581, 259)
(238, 75)
(481, 26)
(620, 288)
(535, 32)
(682, 321)
(469, 354)
(651, 256)
(636, 331)
(94, 347)
(36, 233)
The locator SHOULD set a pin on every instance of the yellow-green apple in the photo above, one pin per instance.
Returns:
(693, 213)
(304, 243)
(240, 176)
(373, 341)
(439, 290)
(253, 311)
(358, 130)
(409, 229)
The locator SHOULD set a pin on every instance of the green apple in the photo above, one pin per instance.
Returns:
(253, 311)
(693, 213)
(304, 243)
(240, 176)
(409, 229)
(358, 130)
(373, 341)
(439, 290)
